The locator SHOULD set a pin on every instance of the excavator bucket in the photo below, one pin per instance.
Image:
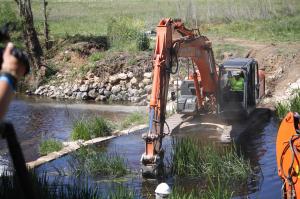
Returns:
(288, 155)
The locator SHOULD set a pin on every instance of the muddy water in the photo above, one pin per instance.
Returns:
(258, 146)
(36, 119)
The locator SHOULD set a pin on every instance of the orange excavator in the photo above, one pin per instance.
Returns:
(209, 87)
(288, 155)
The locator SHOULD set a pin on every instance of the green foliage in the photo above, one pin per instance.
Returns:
(134, 118)
(142, 42)
(94, 162)
(293, 105)
(7, 13)
(277, 29)
(178, 193)
(92, 128)
(49, 146)
(191, 158)
(217, 190)
(281, 109)
(96, 56)
(123, 31)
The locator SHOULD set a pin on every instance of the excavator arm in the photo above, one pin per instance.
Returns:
(288, 155)
(173, 40)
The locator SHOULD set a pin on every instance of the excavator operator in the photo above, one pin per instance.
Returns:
(237, 82)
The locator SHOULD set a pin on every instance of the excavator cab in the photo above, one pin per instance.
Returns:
(239, 88)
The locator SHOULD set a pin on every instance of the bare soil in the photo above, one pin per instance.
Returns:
(281, 62)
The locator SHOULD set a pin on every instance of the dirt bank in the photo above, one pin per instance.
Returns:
(281, 62)
(85, 70)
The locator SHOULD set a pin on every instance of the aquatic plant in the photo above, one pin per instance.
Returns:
(134, 118)
(293, 104)
(91, 161)
(193, 158)
(121, 192)
(10, 188)
(88, 129)
(216, 190)
(281, 109)
(49, 146)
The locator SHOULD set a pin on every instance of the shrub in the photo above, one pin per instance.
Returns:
(88, 129)
(142, 42)
(49, 146)
(123, 31)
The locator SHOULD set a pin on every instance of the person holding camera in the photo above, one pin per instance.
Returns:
(12, 70)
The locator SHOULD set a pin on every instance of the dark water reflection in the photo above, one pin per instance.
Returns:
(260, 147)
(37, 119)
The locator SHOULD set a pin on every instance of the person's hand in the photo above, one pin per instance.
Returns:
(11, 64)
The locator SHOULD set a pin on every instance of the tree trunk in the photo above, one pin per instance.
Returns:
(32, 43)
(46, 25)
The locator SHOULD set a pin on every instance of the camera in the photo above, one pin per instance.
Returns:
(20, 55)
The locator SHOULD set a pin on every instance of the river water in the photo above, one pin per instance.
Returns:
(35, 120)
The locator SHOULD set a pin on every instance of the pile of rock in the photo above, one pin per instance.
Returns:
(118, 87)
(283, 95)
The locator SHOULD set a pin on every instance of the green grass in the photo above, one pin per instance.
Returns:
(96, 56)
(258, 19)
(292, 105)
(49, 146)
(132, 119)
(87, 129)
(277, 29)
(295, 102)
(191, 158)
(98, 163)
(281, 109)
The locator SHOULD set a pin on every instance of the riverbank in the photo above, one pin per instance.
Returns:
(127, 77)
